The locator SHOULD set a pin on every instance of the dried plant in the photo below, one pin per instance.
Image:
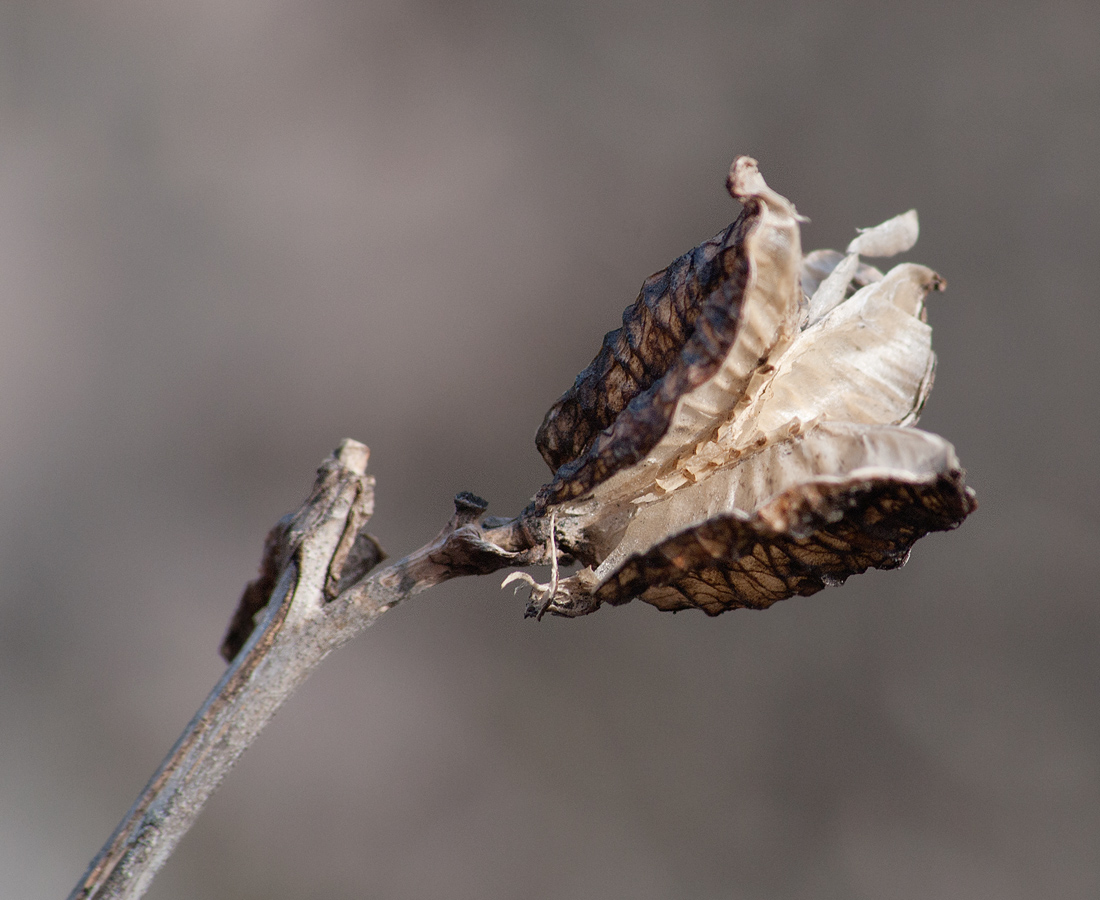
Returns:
(746, 436)
(738, 442)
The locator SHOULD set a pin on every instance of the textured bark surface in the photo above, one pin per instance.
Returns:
(318, 587)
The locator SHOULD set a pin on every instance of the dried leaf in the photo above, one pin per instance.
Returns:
(649, 383)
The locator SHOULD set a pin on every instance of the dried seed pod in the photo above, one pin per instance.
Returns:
(811, 535)
(655, 329)
(737, 442)
(691, 342)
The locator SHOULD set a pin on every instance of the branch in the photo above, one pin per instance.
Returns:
(313, 595)
(735, 443)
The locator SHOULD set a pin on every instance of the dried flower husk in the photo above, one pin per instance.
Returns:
(747, 435)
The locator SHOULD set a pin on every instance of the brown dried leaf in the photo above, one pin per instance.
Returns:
(654, 331)
(678, 339)
(807, 538)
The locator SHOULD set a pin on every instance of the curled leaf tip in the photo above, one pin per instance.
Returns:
(894, 236)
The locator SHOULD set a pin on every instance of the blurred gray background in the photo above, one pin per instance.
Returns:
(233, 233)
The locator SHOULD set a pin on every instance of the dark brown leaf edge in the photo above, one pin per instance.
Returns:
(654, 331)
(811, 536)
(673, 339)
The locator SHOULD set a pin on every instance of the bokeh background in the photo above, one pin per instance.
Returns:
(233, 233)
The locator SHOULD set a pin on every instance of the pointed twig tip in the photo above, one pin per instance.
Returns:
(353, 455)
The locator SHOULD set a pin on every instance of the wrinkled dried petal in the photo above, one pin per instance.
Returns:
(869, 361)
(894, 236)
(742, 319)
(654, 332)
(832, 290)
(828, 450)
(733, 561)
(818, 264)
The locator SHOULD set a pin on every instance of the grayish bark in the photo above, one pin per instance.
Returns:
(320, 560)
